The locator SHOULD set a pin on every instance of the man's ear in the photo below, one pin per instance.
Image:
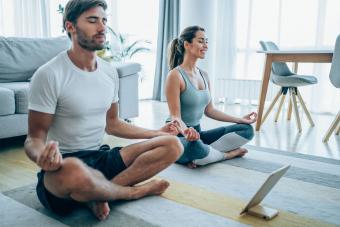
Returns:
(70, 28)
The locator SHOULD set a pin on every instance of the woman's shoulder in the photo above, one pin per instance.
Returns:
(174, 77)
(174, 73)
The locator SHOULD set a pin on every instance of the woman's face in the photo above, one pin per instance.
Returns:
(199, 45)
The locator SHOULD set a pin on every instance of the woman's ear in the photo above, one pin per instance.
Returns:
(186, 44)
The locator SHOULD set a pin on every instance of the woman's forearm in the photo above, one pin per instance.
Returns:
(129, 131)
(221, 116)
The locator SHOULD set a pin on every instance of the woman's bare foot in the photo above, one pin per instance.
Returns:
(192, 165)
(239, 152)
(100, 209)
(153, 187)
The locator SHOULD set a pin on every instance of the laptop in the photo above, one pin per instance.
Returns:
(253, 207)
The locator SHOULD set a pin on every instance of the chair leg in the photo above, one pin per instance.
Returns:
(296, 111)
(272, 105)
(289, 113)
(304, 108)
(332, 128)
(337, 132)
(280, 107)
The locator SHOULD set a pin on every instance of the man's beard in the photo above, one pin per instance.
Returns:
(88, 43)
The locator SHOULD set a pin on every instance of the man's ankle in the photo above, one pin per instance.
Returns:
(135, 192)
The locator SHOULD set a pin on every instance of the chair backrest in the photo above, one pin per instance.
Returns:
(334, 74)
(278, 68)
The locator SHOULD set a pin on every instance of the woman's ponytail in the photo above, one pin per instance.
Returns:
(175, 53)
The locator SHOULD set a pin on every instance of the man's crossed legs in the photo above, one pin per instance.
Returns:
(79, 182)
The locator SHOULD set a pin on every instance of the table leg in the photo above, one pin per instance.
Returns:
(263, 91)
(289, 113)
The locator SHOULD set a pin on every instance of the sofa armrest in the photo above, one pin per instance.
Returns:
(128, 89)
(127, 69)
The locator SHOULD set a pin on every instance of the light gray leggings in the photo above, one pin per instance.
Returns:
(224, 139)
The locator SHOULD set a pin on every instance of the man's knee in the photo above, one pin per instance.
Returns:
(246, 131)
(174, 146)
(72, 175)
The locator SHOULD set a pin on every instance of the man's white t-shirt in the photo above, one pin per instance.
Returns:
(78, 100)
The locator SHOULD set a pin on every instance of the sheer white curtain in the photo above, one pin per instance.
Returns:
(29, 18)
(225, 37)
(38, 18)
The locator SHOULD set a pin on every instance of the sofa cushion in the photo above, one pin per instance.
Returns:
(13, 125)
(7, 103)
(20, 90)
(20, 57)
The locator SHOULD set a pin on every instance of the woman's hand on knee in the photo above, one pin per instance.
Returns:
(191, 134)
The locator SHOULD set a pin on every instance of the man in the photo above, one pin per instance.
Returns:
(73, 99)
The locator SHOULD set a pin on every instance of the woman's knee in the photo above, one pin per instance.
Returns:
(246, 131)
(194, 150)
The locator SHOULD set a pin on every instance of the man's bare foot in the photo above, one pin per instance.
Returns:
(192, 165)
(100, 209)
(239, 152)
(153, 187)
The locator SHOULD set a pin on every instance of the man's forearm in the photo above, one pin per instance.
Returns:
(33, 147)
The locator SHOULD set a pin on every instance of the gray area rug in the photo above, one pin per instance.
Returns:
(294, 154)
(82, 217)
(309, 188)
(149, 211)
(316, 177)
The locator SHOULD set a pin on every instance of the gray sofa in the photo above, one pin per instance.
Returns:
(20, 58)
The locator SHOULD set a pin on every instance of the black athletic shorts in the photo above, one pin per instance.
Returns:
(106, 160)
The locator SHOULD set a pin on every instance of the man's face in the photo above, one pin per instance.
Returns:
(90, 29)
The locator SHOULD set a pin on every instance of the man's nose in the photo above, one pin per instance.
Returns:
(101, 27)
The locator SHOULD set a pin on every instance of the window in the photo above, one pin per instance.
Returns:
(56, 18)
(283, 22)
(139, 19)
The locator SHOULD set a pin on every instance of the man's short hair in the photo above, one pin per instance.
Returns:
(74, 8)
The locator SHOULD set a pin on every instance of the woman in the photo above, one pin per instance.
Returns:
(188, 96)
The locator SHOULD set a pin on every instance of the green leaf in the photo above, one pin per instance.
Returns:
(60, 9)
(122, 39)
(130, 48)
(140, 49)
(112, 31)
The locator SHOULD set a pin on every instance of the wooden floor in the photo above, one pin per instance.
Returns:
(17, 170)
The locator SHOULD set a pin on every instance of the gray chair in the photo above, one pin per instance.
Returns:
(334, 77)
(282, 76)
